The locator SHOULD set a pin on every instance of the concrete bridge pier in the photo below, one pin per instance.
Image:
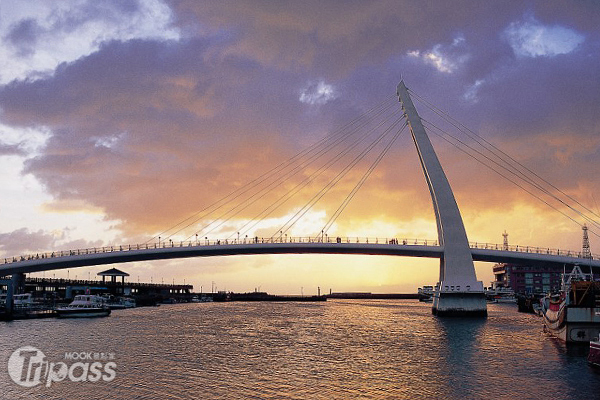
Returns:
(454, 303)
(16, 286)
(459, 295)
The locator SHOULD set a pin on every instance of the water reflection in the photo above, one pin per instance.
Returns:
(460, 355)
(338, 349)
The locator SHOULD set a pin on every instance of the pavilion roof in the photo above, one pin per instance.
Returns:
(113, 272)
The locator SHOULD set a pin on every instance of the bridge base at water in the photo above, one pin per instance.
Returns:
(459, 304)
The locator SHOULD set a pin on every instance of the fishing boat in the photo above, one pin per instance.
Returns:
(594, 356)
(573, 314)
(84, 306)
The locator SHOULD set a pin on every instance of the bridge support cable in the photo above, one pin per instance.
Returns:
(518, 169)
(221, 220)
(508, 163)
(360, 183)
(458, 143)
(497, 150)
(302, 211)
(302, 160)
(279, 202)
(338, 135)
(295, 190)
(300, 168)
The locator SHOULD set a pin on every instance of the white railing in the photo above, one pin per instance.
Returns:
(283, 239)
(215, 242)
(530, 249)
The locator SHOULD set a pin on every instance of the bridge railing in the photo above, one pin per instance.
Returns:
(283, 239)
(216, 242)
(530, 249)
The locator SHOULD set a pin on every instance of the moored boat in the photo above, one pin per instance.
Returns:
(425, 293)
(84, 306)
(119, 303)
(530, 303)
(206, 299)
(594, 356)
(500, 295)
(23, 301)
(573, 315)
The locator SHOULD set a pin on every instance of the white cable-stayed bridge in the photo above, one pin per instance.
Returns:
(362, 143)
(337, 245)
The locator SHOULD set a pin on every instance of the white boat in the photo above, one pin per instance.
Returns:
(24, 300)
(501, 294)
(84, 306)
(119, 303)
(505, 295)
(573, 315)
(129, 302)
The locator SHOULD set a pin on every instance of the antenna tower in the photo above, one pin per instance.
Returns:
(586, 252)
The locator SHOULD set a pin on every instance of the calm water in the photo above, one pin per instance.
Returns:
(349, 349)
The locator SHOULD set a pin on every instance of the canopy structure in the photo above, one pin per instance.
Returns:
(113, 273)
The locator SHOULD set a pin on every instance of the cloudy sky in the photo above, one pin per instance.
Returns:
(119, 119)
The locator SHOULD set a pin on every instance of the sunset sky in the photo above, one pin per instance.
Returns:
(119, 119)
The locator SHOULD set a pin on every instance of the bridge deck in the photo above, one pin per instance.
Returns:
(413, 248)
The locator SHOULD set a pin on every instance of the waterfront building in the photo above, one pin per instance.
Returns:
(527, 279)
(533, 279)
(68, 288)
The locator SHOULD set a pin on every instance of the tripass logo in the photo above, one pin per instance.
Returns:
(28, 367)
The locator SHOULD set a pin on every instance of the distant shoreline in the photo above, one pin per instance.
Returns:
(361, 295)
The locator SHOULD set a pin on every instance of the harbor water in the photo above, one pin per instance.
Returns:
(339, 349)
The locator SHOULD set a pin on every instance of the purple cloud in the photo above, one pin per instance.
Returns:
(149, 129)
